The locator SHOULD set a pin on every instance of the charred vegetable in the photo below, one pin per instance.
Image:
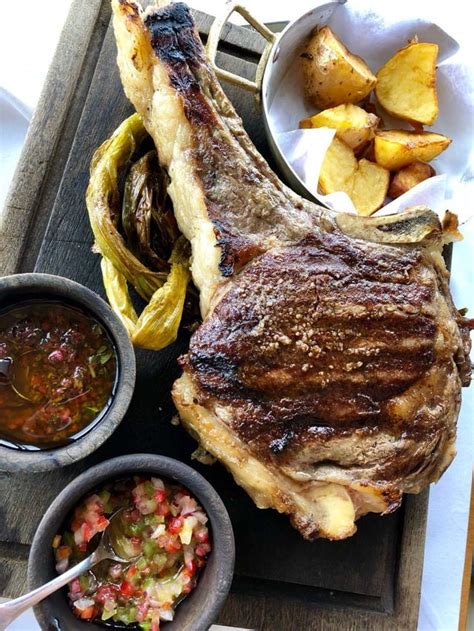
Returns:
(151, 255)
(159, 322)
(147, 214)
(103, 204)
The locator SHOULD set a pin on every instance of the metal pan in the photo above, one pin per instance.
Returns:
(278, 55)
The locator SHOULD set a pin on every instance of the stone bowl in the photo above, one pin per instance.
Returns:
(22, 287)
(201, 608)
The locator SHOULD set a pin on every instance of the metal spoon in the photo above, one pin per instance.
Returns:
(105, 550)
(14, 372)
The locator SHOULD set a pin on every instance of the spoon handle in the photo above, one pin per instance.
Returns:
(13, 608)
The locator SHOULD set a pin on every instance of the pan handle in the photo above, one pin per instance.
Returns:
(213, 40)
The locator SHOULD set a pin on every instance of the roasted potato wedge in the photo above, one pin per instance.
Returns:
(353, 125)
(396, 148)
(369, 187)
(332, 74)
(367, 152)
(408, 177)
(406, 84)
(338, 168)
(365, 182)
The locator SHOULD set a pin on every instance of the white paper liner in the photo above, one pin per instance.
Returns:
(375, 36)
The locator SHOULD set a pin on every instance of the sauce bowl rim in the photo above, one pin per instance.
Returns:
(192, 614)
(19, 288)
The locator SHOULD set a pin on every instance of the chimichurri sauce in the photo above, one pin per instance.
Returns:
(58, 372)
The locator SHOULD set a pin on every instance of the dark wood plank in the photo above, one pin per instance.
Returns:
(282, 582)
(65, 247)
(55, 171)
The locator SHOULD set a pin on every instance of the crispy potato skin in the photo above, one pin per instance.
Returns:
(362, 154)
(406, 84)
(408, 177)
(332, 74)
(396, 148)
(365, 182)
(353, 125)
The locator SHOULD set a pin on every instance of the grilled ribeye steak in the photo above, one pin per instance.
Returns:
(326, 375)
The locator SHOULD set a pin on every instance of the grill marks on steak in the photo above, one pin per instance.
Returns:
(327, 372)
(307, 336)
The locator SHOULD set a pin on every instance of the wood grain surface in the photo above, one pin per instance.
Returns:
(371, 581)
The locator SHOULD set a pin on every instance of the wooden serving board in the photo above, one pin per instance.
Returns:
(370, 581)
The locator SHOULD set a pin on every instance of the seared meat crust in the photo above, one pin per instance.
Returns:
(329, 354)
(327, 372)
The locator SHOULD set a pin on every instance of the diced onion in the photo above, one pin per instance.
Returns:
(187, 505)
(158, 484)
(83, 603)
(167, 614)
(62, 565)
(201, 517)
(159, 530)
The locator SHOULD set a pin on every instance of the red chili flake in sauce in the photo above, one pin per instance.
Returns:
(62, 369)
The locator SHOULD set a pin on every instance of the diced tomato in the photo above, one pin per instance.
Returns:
(187, 588)
(132, 570)
(89, 613)
(191, 567)
(102, 523)
(106, 592)
(86, 531)
(202, 536)
(175, 525)
(160, 495)
(129, 585)
(126, 589)
(172, 545)
(163, 509)
(202, 549)
(75, 586)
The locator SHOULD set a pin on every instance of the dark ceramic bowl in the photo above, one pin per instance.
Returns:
(200, 608)
(24, 287)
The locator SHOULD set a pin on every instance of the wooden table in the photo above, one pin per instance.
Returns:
(371, 581)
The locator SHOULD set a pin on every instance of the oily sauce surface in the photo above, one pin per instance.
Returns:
(57, 377)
